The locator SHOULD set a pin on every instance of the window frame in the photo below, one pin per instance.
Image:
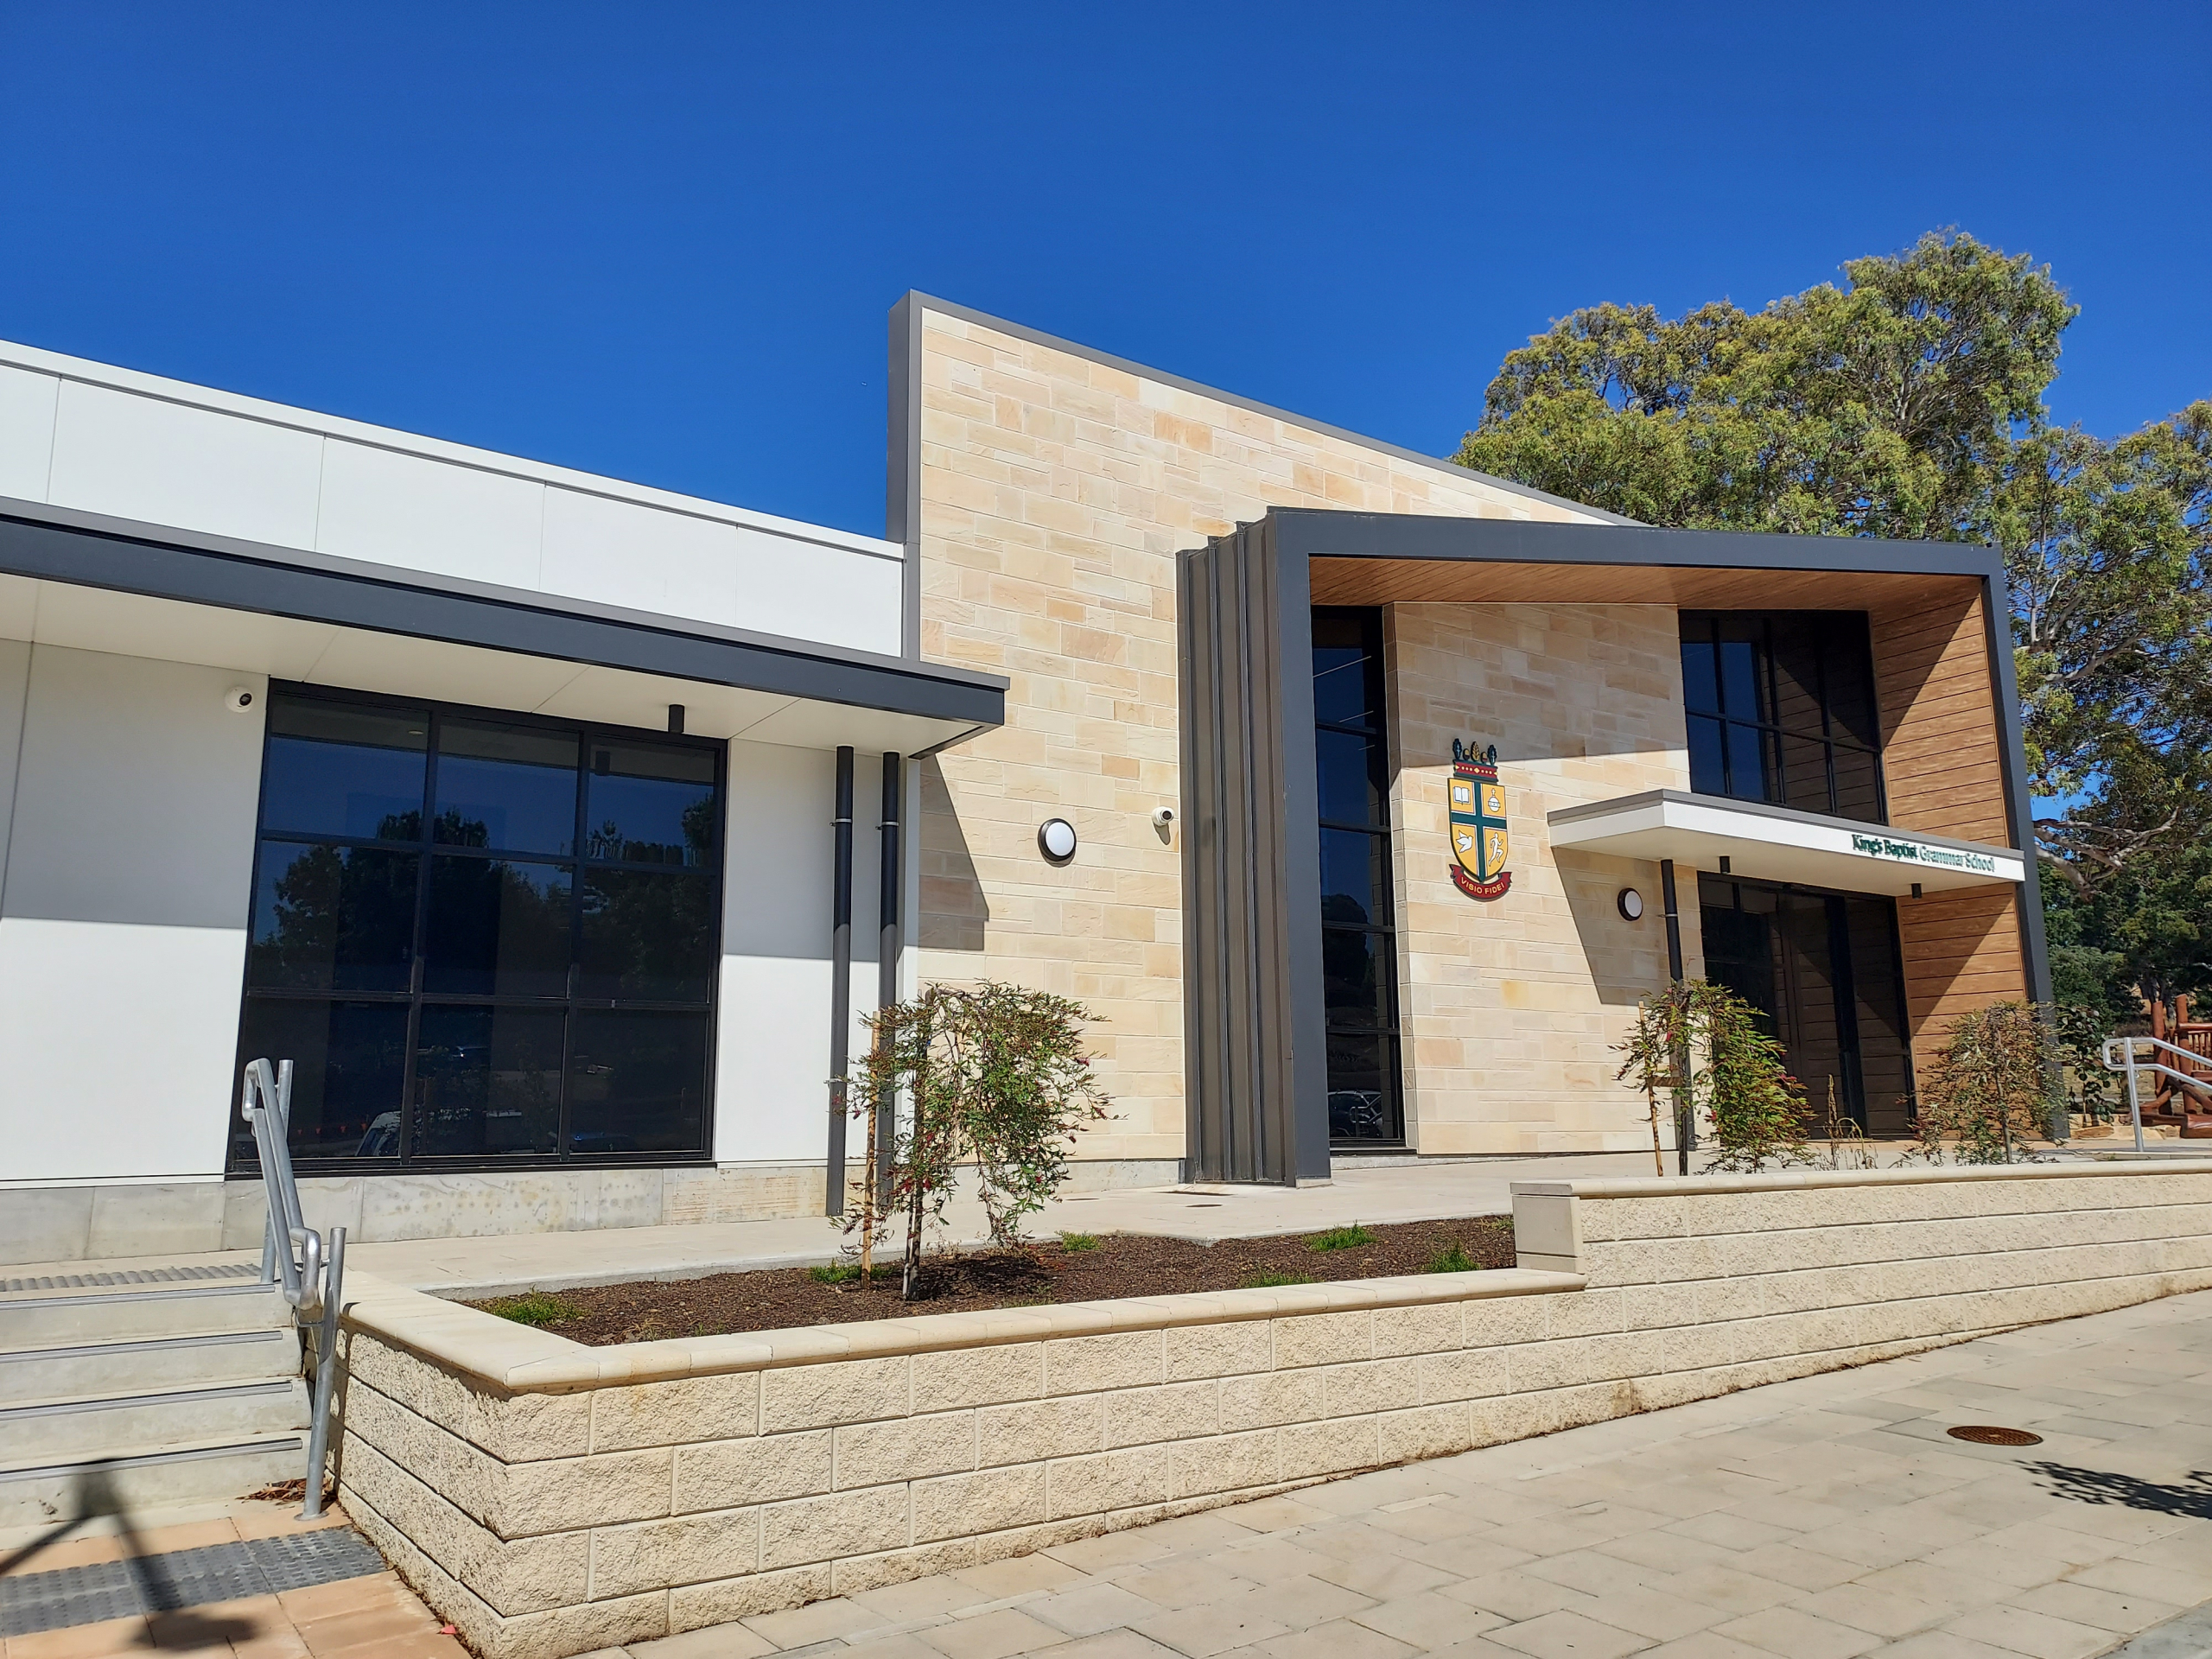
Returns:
(1770, 734)
(426, 849)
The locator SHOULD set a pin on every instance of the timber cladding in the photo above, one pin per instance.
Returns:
(1943, 766)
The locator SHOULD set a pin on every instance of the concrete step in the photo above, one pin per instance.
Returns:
(70, 1430)
(156, 1478)
(87, 1370)
(72, 1317)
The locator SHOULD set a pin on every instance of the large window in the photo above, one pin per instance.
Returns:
(1782, 709)
(1359, 961)
(482, 938)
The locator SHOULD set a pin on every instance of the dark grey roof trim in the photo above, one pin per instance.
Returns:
(1763, 809)
(1319, 533)
(916, 300)
(59, 544)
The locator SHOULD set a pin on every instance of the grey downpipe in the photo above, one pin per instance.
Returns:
(1685, 1121)
(840, 980)
(886, 950)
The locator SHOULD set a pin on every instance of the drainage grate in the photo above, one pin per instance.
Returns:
(186, 1577)
(1983, 1434)
(132, 1276)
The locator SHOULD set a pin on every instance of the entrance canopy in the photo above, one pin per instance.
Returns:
(1773, 843)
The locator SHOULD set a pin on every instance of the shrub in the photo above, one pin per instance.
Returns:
(996, 1075)
(1753, 1109)
(1992, 1086)
(1074, 1244)
(534, 1308)
(1341, 1238)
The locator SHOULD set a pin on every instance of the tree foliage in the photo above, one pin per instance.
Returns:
(1909, 403)
(1992, 1086)
(1701, 1046)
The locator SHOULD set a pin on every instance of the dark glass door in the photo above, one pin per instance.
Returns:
(1822, 967)
(1359, 957)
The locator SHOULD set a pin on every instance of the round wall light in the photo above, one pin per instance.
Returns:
(1630, 905)
(1056, 839)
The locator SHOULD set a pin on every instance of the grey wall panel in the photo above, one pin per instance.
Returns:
(1256, 1080)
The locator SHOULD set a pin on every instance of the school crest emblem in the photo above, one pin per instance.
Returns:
(1478, 835)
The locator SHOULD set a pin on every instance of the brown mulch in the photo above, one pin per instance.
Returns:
(1121, 1264)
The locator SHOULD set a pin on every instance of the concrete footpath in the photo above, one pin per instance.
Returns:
(1819, 1519)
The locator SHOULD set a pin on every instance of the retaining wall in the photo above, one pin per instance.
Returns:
(550, 1498)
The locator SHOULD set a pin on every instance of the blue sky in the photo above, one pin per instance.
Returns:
(660, 241)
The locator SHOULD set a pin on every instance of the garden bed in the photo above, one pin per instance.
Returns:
(1073, 1268)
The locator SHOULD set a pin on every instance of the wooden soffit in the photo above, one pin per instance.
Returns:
(1475, 581)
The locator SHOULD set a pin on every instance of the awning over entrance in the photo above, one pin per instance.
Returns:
(1774, 843)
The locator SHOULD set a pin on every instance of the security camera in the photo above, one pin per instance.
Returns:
(1162, 816)
(238, 699)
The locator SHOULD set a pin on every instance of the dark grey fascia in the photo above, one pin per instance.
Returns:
(905, 358)
(1300, 534)
(1318, 533)
(50, 544)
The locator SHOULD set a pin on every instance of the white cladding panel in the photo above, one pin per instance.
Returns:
(123, 917)
(26, 432)
(642, 558)
(387, 508)
(818, 593)
(773, 1045)
(165, 463)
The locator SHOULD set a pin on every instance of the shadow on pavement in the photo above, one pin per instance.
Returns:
(2097, 1486)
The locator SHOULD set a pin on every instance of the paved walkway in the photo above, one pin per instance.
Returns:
(1820, 1519)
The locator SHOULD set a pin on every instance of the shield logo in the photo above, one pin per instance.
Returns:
(1479, 839)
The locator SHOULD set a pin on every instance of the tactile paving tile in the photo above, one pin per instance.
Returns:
(184, 1578)
(131, 1277)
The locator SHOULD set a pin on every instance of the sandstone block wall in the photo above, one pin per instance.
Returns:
(550, 1499)
(1054, 492)
(1510, 1007)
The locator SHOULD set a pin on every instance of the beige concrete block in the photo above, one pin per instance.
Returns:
(1083, 1364)
(724, 1474)
(520, 1428)
(1439, 1378)
(979, 1376)
(1323, 1339)
(1369, 1385)
(695, 1606)
(1336, 1446)
(1226, 1463)
(570, 1493)
(526, 1576)
(1590, 1313)
(1175, 1411)
(824, 1528)
(688, 1549)
(990, 1500)
(1041, 1429)
(666, 1413)
(874, 1454)
(1225, 1349)
(1425, 1432)
(837, 1391)
(1503, 1321)
(1275, 1398)
(1107, 1481)
(1431, 1330)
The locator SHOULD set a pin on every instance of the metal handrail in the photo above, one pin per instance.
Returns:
(2132, 1067)
(312, 1280)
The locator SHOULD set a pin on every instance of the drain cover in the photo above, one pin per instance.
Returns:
(1983, 1434)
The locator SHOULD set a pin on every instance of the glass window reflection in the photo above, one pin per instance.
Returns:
(509, 788)
(637, 1081)
(650, 804)
(647, 935)
(337, 769)
(497, 927)
(487, 1081)
(333, 918)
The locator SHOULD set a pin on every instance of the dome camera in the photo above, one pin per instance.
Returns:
(1162, 816)
(238, 699)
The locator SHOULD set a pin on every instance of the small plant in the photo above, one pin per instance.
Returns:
(1453, 1259)
(534, 1308)
(835, 1272)
(1847, 1148)
(1340, 1238)
(1270, 1279)
(1076, 1243)
(1992, 1086)
(1754, 1110)
(995, 1076)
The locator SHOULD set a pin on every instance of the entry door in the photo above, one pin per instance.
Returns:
(1822, 967)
